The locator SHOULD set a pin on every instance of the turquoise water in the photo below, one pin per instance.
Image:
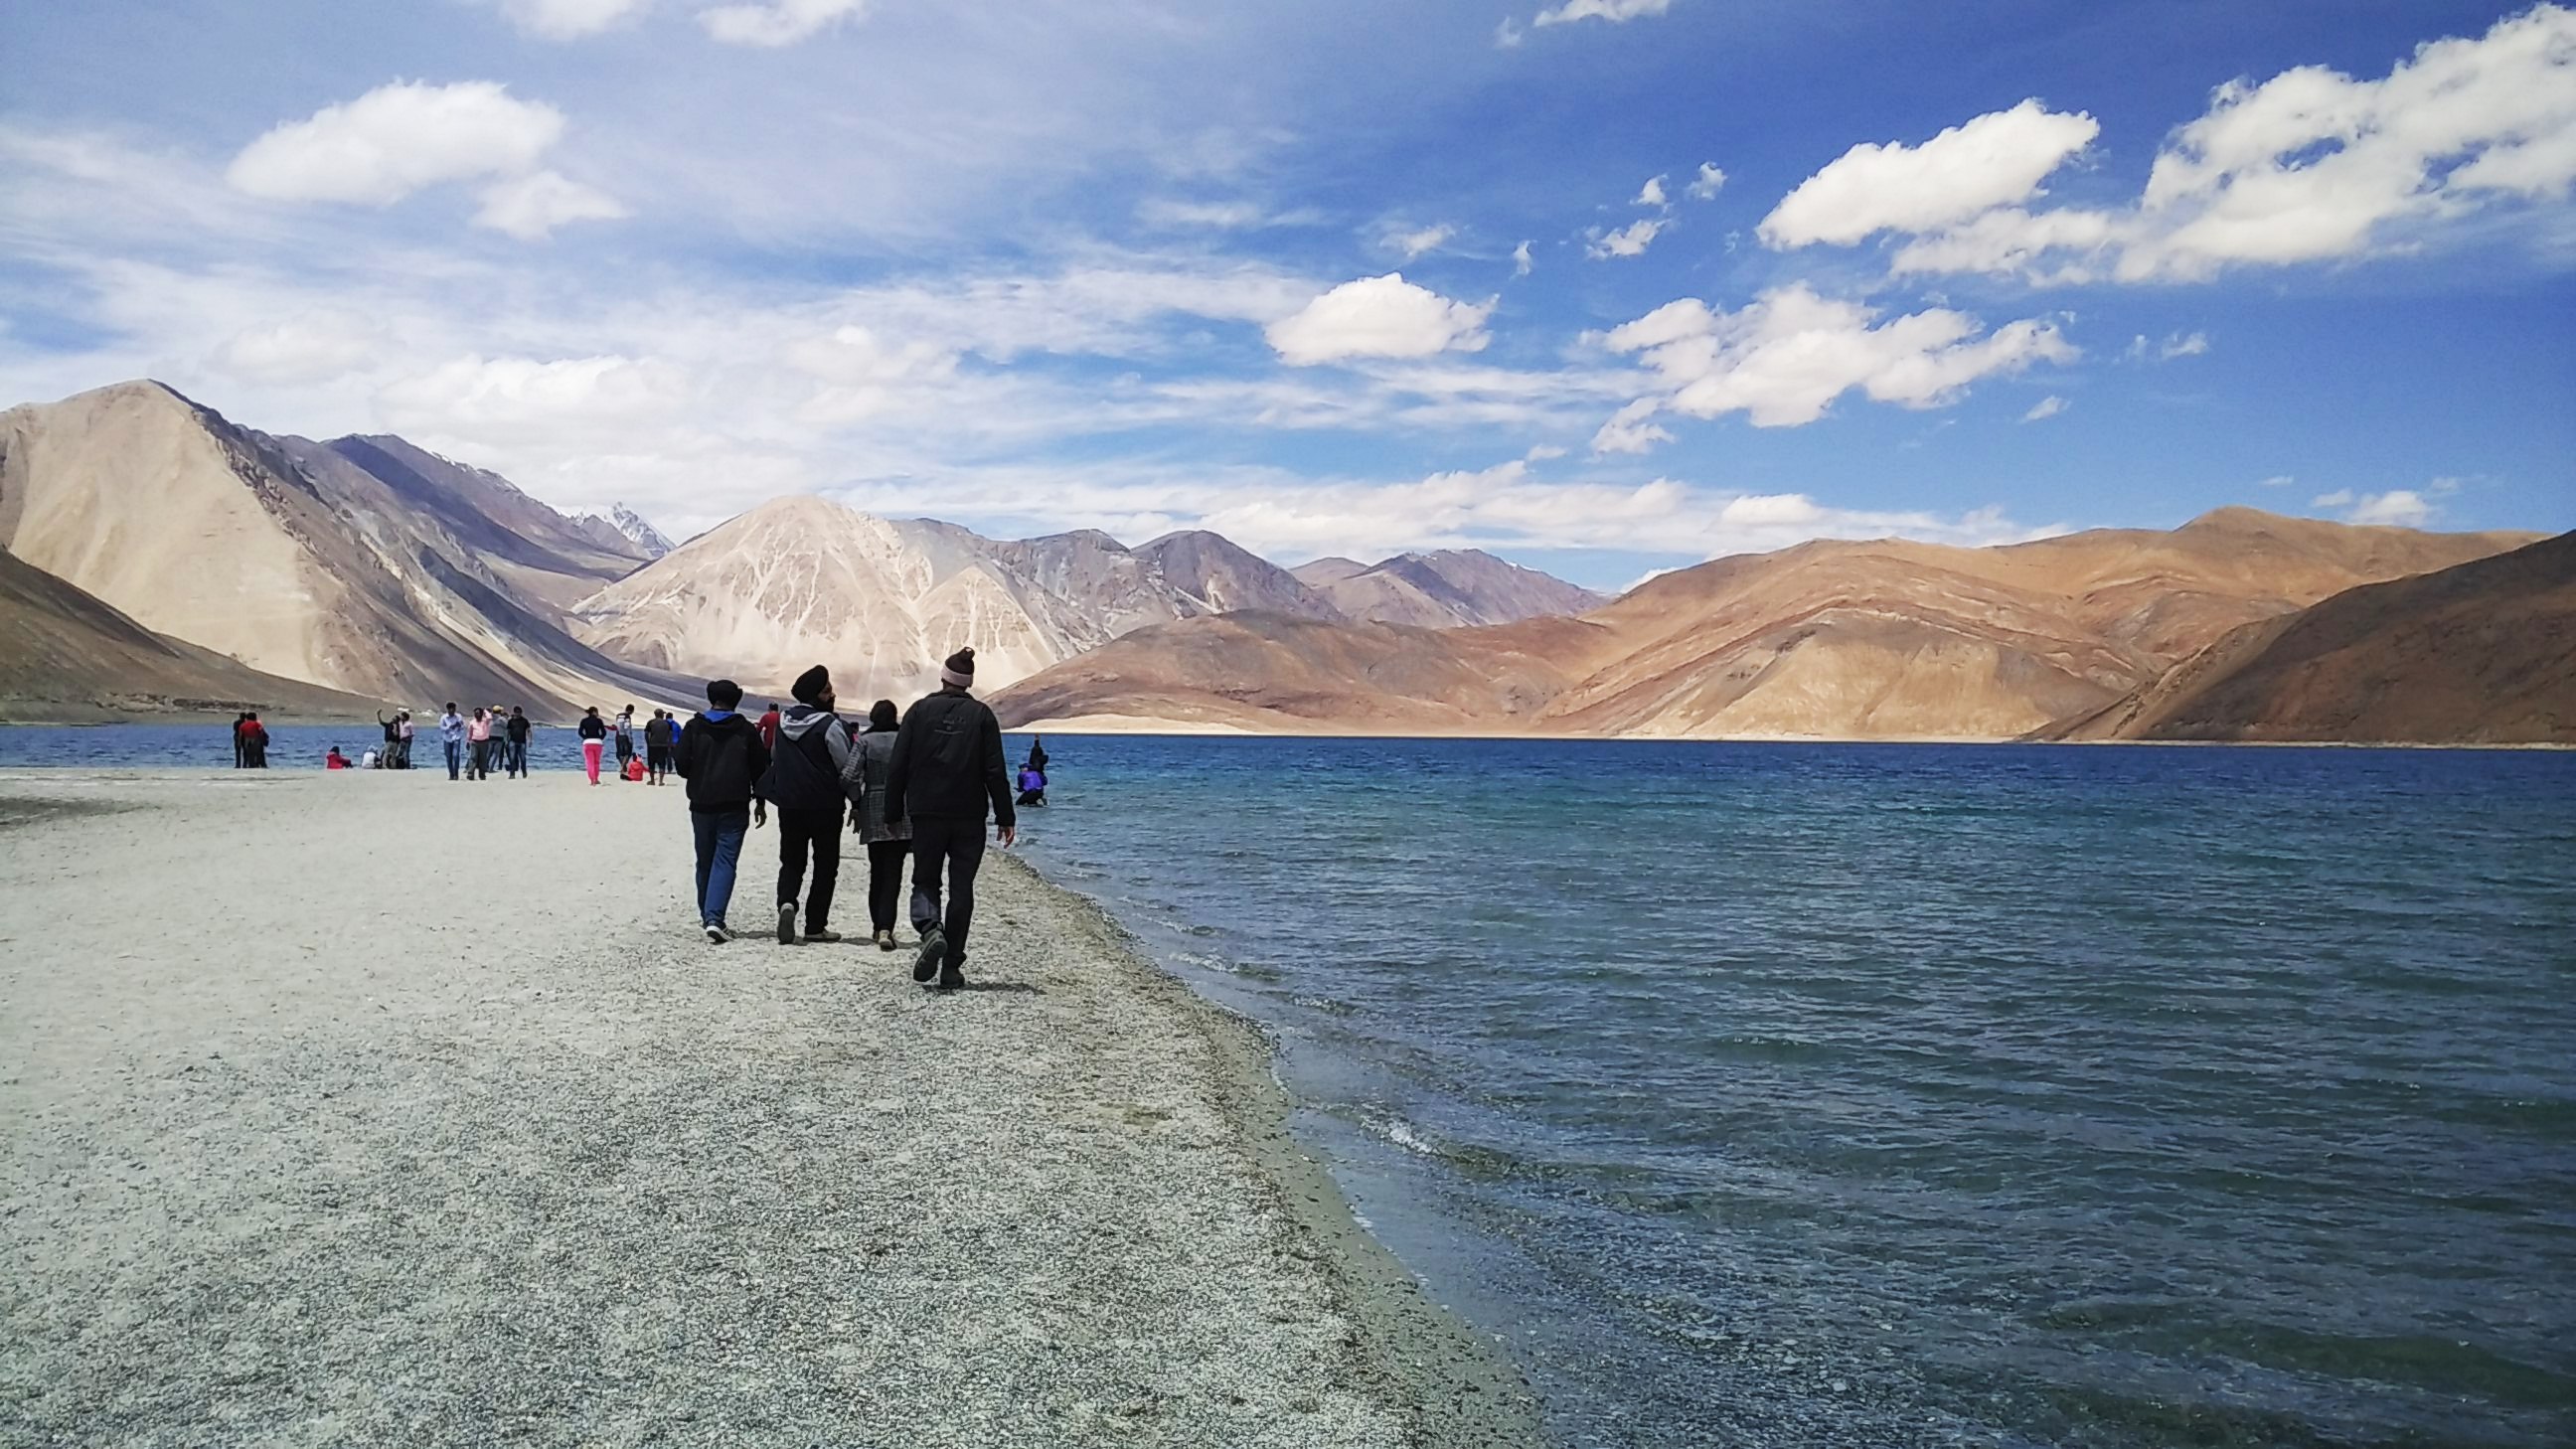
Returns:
(1894, 1095)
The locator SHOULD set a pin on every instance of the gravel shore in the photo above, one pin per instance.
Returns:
(371, 1108)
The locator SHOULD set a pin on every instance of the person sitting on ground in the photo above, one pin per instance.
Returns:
(804, 783)
(371, 760)
(947, 767)
(722, 758)
(335, 760)
(889, 842)
(1032, 786)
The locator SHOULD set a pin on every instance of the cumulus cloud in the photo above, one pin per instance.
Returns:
(1785, 357)
(1629, 431)
(569, 19)
(395, 140)
(319, 344)
(1628, 241)
(2396, 508)
(2311, 165)
(1708, 183)
(530, 207)
(1378, 317)
(778, 22)
(1522, 266)
(509, 399)
(1652, 193)
(1998, 159)
(1614, 11)
(2047, 407)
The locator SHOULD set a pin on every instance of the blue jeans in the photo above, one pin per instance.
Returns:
(455, 756)
(720, 834)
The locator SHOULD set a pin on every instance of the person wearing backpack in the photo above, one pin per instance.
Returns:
(947, 768)
(722, 759)
(804, 782)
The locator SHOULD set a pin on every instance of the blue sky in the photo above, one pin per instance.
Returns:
(1608, 287)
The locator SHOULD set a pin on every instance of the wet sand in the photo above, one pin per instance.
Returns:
(367, 1107)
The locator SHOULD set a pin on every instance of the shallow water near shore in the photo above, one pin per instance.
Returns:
(1896, 1095)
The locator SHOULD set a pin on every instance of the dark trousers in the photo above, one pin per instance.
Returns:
(819, 830)
(954, 844)
(885, 881)
(517, 756)
(719, 840)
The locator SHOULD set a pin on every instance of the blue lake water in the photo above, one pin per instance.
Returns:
(1897, 1095)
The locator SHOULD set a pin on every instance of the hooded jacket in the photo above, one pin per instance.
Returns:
(812, 756)
(948, 762)
(871, 761)
(722, 758)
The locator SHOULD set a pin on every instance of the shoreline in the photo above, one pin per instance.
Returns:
(361, 1138)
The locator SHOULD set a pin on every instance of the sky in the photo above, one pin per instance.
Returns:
(1603, 286)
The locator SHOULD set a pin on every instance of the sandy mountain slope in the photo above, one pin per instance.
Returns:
(1839, 640)
(288, 556)
(1450, 589)
(1323, 573)
(537, 554)
(2482, 653)
(801, 581)
(73, 659)
(1227, 578)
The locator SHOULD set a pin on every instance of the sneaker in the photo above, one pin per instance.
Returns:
(933, 946)
(825, 937)
(786, 923)
(885, 940)
(718, 935)
(950, 978)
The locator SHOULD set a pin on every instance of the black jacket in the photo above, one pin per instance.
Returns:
(722, 759)
(592, 727)
(948, 762)
(518, 729)
(805, 770)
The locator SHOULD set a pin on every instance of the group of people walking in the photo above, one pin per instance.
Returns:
(487, 738)
(917, 786)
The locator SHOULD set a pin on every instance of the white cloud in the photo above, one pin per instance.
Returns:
(1998, 159)
(1652, 193)
(1378, 317)
(1215, 215)
(569, 19)
(395, 140)
(1787, 355)
(1614, 11)
(1628, 430)
(515, 399)
(2339, 498)
(2184, 345)
(1413, 242)
(1628, 241)
(2396, 508)
(1522, 266)
(1709, 182)
(777, 22)
(2047, 407)
(2278, 480)
(530, 207)
(1508, 35)
(319, 344)
(2309, 166)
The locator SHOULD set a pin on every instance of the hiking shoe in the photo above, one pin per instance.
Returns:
(933, 946)
(826, 937)
(950, 978)
(718, 935)
(786, 923)
(885, 940)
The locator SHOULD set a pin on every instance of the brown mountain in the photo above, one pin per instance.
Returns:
(302, 560)
(1227, 578)
(73, 659)
(1453, 588)
(2482, 653)
(1885, 639)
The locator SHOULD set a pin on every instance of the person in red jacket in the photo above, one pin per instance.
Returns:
(335, 760)
(769, 728)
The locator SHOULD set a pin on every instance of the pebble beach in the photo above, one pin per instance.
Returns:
(366, 1107)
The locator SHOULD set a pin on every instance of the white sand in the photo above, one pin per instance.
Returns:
(371, 1108)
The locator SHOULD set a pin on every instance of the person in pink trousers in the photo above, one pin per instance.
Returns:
(594, 738)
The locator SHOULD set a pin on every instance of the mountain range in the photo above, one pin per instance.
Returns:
(160, 557)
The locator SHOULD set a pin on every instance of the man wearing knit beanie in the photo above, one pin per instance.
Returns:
(804, 784)
(946, 771)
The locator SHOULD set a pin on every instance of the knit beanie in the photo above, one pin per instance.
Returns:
(959, 672)
(810, 685)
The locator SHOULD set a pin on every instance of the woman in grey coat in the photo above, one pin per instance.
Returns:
(889, 846)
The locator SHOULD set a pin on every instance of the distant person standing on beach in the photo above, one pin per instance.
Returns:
(594, 739)
(625, 739)
(804, 782)
(722, 758)
(889, 842)
(241, 739)
(947, 768)
(769, 726)
(516, 733)
(451, 733)
(659, 735)
(254, 736)
(478, 738)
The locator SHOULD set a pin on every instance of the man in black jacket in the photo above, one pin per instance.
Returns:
(804, 783)
(722, 758)
(947, 769)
